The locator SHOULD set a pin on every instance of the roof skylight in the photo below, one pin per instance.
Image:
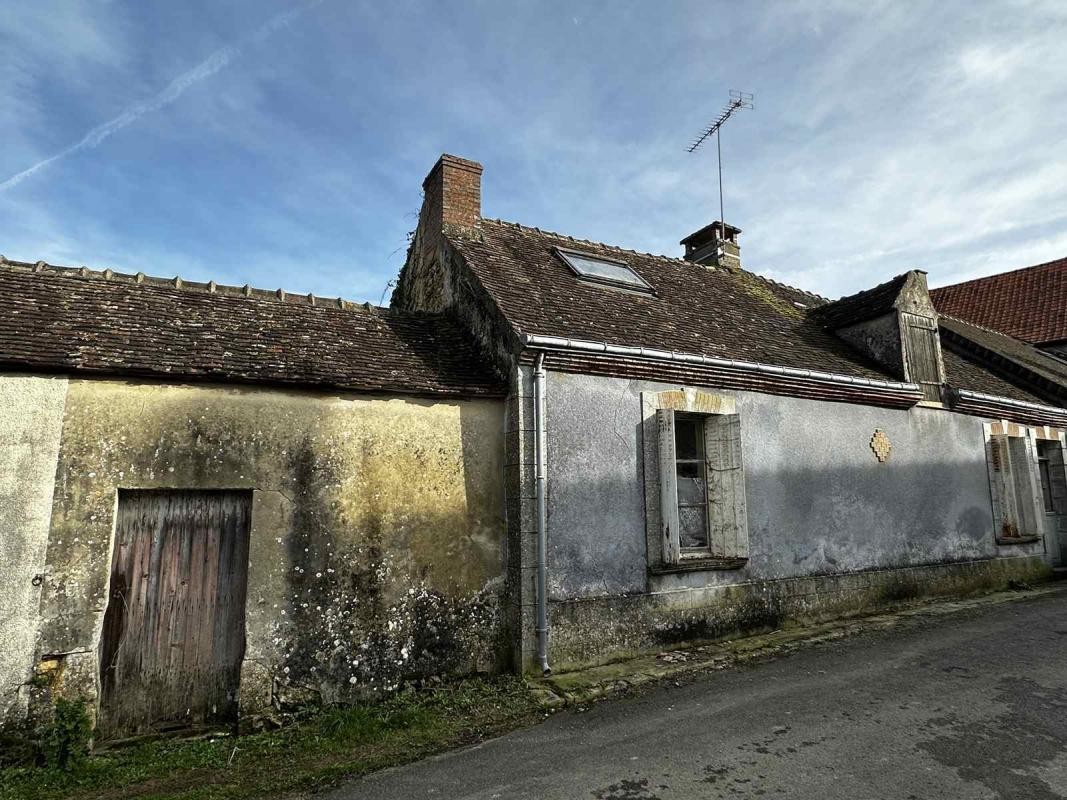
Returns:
(603, 270)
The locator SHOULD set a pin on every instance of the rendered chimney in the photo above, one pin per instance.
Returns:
(709, 247)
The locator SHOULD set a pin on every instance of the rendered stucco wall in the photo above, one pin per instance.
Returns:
(376, 549)
(820, 505)
(31, 418)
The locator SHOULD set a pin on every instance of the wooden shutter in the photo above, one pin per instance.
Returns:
(1016, 499)
(1027, 493)
(1057, 521)
(727, 512)
(921, 348)
(668, 486)
(1001, 487)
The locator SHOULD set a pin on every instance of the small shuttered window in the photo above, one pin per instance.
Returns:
(1015, 487)
(702, 486)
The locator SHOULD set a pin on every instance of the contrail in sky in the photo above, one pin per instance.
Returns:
(205, 69)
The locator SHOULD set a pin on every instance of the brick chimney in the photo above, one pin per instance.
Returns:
(452, 193)
(710, 247)
(452, 204)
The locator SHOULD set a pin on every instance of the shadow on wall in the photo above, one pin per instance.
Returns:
(801, 522)
(399, 581)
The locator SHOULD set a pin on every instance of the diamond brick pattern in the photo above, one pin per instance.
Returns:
(881, 445)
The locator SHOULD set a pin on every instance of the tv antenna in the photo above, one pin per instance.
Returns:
(739, 101)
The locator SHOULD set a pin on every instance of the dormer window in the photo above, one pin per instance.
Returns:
(598, 269)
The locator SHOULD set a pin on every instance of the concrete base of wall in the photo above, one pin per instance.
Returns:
(594, 631)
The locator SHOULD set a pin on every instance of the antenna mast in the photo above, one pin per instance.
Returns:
(738, 102)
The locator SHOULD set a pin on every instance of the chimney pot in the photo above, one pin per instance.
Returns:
(714, 245)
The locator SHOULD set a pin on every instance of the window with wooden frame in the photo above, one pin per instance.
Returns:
(703, 516)
(1015, 486)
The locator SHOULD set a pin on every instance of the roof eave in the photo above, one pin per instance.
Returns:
(988, 405)
(849, 388)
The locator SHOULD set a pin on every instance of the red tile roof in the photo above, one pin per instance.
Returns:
(1029, 304)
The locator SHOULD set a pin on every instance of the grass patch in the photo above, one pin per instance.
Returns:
(321, 749)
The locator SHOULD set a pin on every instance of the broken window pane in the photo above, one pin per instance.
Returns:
(691, 489)
(692, 484)
(693, 526)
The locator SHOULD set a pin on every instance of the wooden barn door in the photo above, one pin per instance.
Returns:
(173, 637)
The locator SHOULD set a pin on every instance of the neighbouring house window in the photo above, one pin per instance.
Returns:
(1046, 474)
(1015, 483)
(1053, 476)
(702, 511)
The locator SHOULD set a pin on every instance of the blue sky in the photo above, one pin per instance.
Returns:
(283, 144)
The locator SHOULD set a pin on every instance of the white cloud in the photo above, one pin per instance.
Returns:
(986, 62)
(218, 60)
(886, 136)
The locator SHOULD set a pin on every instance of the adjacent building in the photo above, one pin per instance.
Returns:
(1028, 304)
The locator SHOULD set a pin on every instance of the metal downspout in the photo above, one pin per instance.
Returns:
(540, 468)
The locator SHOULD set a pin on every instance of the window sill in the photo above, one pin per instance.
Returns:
(1018, 540)
(698, 565)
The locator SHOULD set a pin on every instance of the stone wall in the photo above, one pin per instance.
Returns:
(31, 418)
(376, 551)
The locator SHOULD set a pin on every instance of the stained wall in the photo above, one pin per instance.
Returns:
(821, 510)
(376, 546)
(31, 417)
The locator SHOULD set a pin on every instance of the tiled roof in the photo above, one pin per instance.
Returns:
(1002, 355)
(715, 312)
(963, 370)
(862, 306)
(1028, 304)
(82, 321)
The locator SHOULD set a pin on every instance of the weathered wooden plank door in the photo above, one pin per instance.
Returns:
(173, 636)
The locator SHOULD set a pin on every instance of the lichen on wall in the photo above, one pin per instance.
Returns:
(31, 417)
(377, 530)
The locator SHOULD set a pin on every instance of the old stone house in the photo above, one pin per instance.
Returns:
(694, 450)
(549, 453)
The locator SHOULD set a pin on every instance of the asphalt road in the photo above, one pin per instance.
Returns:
(968, 705)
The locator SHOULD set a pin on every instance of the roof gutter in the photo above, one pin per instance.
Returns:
(868, 385)
(995, 406)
